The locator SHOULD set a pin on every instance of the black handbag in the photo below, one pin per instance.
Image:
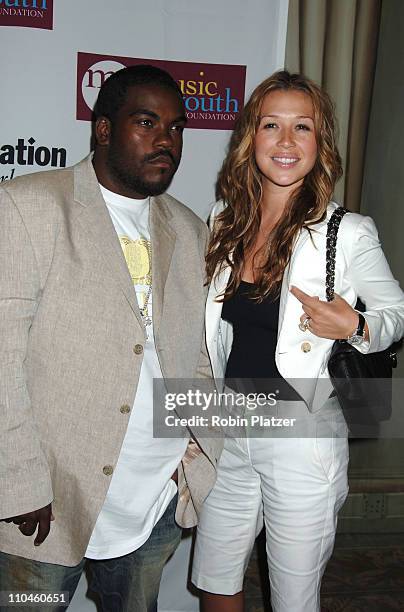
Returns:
(362, 382)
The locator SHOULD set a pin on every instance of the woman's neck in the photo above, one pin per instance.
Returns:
(274, 201)
(273, 204)
(272, 209)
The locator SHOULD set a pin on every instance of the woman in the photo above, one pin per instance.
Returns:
(267, 318)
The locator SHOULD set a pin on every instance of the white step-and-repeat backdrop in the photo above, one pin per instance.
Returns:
(54, 55)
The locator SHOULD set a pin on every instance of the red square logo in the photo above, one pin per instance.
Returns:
(27, 13)
(213, 93)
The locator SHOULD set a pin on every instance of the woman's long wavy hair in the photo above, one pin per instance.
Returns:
(239, 186)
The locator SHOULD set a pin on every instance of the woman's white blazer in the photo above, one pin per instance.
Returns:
(361, 270)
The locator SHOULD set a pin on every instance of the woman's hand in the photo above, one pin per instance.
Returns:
(335, 320)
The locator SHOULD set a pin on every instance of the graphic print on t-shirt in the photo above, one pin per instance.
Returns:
(138, 259)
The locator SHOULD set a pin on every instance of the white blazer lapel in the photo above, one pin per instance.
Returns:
(285, 297)
(304, 271)
(213, 307)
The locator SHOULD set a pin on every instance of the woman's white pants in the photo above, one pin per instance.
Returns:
(292, 485)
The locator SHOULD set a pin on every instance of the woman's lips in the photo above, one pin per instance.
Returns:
(285, 162)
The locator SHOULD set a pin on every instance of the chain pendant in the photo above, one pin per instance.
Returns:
(146, 321)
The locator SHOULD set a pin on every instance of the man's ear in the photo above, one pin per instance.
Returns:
(102, 131)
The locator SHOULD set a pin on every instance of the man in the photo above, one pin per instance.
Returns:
(101, 290)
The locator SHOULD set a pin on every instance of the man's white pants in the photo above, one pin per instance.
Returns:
(295, 486)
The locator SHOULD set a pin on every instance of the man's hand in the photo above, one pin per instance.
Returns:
(29, 522)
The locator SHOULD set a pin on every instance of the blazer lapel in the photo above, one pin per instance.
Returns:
(163, 239)
(213, 307)
(285, 293)
(289, 274)
(100, 230)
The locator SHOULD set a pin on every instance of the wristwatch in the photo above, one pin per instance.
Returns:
(358, 335)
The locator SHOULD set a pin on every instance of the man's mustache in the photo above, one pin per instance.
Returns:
(160, 154)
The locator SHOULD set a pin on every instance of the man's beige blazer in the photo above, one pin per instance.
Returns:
(71, 340)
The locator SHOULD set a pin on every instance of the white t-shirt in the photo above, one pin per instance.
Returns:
(141, 487)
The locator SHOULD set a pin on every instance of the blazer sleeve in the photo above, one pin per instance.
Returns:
(25, 483)
(371, 277)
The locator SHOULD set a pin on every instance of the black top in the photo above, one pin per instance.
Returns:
(255, 330)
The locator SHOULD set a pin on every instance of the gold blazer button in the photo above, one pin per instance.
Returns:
(138, 349)
(107, 469)
(125, 409)
(306, 347)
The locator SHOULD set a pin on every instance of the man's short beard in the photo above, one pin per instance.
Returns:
(134, 182)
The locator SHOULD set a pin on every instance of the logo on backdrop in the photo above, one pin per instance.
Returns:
(27, 152)
(213, 93)
(27, 13)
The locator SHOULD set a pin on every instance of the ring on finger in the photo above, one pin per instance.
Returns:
(305, 324)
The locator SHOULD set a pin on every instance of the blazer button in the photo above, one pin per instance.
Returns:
(107, 469)
(125, 409)
(138, 349)
(306, 347)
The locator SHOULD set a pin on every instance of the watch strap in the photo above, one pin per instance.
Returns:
(360, 330)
